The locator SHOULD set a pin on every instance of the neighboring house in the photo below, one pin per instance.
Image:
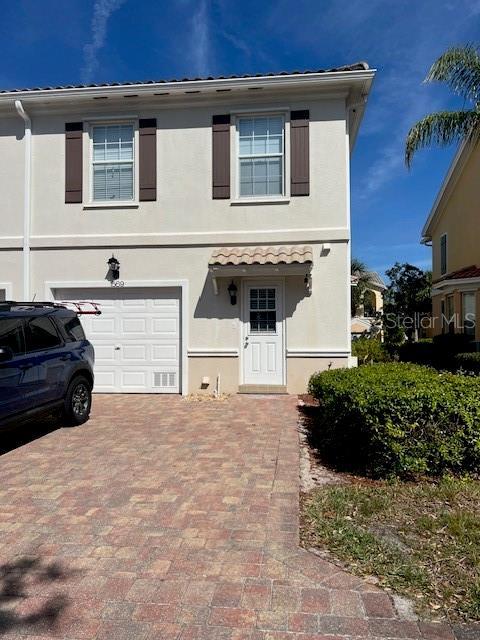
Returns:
(367, 320)
(453, 231)
(210, 218)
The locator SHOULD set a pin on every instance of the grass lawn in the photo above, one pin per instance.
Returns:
(421, 539)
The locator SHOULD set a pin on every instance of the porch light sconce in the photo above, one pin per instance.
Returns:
(308, 282)
(232, 292)
(114, 267)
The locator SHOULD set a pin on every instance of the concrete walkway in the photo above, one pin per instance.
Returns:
(167, 518)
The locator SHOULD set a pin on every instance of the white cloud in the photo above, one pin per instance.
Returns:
(102, 11)
(201, 39)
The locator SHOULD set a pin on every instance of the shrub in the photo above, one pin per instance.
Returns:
(469, 362)
(421, 352)
(398, 419)
(369, 350)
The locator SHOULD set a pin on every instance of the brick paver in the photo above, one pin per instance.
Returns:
(164, 518)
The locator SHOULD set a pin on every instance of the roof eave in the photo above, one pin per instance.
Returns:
(461, 156)
(202, 86)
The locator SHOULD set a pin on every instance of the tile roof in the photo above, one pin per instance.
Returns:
(292, 254)
(375, 279)
(357, 66)
(467, 272)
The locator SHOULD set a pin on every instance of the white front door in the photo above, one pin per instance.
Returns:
(263, 350)
(136, 338)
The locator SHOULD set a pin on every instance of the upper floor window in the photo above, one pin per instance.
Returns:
(113, 162)
(443, 254)
(261, 156)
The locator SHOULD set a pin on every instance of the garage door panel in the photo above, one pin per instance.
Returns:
(136, 338)
(133, 326)
(165, 352)
(129, 352)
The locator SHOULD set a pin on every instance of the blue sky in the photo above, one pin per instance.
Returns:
(48, 42)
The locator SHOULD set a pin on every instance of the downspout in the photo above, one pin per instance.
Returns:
(27, 197)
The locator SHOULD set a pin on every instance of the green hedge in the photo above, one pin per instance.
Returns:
(397, 419)
(421, 352)
(369, 350)
(469, 362)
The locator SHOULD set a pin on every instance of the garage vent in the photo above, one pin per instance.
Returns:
(164, 379)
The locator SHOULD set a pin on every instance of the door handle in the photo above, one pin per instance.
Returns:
(24, 367)
(64, 358)
(117, 348)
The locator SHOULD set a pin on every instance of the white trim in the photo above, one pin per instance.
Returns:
(284, 197)
(318, 353)
(27, 197)
(195, 238)
(461, 156)
(213, 353)
(295, 80)
(103, 284)
(454, 283)
(88, 184)
(114, 204)
(262, 282)
(7, 287)
(262, 200)
(348, 216)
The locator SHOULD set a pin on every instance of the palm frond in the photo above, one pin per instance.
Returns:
(442, 129)
(459, 67)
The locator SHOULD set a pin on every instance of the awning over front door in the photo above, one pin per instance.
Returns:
(261, 260)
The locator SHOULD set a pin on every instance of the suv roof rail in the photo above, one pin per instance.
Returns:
(92, 308)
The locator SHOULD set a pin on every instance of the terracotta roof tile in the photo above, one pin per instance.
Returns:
(291, 254)
(467, 272)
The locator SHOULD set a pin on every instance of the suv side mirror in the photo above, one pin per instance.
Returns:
(6, 354)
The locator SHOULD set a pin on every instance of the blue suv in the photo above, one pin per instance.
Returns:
(46, 363)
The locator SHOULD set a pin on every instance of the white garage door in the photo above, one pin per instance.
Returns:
(136, 338)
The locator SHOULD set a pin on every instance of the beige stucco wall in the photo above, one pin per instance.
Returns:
(460, 220)
(299, 370)
(184, 201)
(317, 321)
(173, 238)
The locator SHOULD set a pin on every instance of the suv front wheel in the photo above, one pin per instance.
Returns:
(78, 401)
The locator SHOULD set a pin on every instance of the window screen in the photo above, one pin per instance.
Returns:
(261, 151)
(113, 162)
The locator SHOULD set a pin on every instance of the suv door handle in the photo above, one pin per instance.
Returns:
(24, 367)
(64, 358)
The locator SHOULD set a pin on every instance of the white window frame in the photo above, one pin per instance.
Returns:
(443, 272)
(463, 294)
(285, 195)
(88, 166)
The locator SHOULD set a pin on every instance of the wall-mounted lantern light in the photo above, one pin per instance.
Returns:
(308, 282)
(232, 292)
(114, 267)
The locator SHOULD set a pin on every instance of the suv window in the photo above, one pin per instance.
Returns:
(40, 333)
(11, 334)
(72, 327)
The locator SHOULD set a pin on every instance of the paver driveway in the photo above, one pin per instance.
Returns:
(164, 518)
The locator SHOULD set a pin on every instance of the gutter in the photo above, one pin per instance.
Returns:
(27, 198)
(197, 86)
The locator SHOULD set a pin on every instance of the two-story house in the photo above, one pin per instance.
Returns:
(453, 230)
(210, 218)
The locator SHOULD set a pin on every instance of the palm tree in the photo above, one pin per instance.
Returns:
(459, 68)
(359, 270)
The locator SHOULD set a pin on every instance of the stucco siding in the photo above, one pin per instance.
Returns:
(460, 220)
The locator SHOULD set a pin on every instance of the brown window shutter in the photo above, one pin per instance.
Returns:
(73, 161)
(299, 153)
(147, 159)
(221, 156)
